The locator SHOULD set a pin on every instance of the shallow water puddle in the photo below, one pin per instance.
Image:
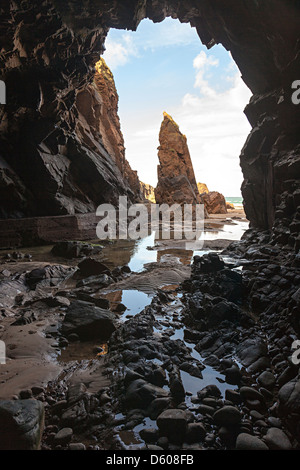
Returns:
(134, 300)
(210, 376)
(134, 253)
(138, 253)
(233, 231)
(83, 350)
(130, 439)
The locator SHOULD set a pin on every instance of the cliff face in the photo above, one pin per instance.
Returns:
(62, 149)
(214, 202)
(202, 188)
(176, 178)
(110, 128)
(148, 192)
(48, 52)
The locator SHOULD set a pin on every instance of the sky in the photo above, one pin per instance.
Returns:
(164, 67)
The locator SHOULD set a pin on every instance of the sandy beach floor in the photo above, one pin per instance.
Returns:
(33, 356)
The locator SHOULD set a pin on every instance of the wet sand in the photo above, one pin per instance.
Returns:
(34, 357)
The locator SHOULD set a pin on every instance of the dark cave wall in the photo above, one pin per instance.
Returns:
(53, 158)
(49, 49)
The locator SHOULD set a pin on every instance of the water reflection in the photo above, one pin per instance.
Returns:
(142, 254)
(134, 300)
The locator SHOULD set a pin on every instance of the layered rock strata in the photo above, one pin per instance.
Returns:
(62, 149)
(110, 127)
(202, 188)
(48, 54)
(148, 192)
(214, 202)
(176, 178)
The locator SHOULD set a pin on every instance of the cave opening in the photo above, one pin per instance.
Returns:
(202, 345)
(165, 67)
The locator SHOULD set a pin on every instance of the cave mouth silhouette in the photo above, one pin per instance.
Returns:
(49, 55)
(263, 40)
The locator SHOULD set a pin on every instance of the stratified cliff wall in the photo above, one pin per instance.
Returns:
(148, 192)
(48, 52)
(62, 149)
(110, 128)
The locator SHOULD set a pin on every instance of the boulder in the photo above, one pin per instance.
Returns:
(214, 202)
(195, 433)
(91, 267)
(276, 439)
(74, 249)
(140, 394)
(88, 321)
(47, 276)
(267, 380)
(251, 350)
(247, 442)
(21, 424)
(289, 397)
(227, 415)
(173, 424)
(63, 436)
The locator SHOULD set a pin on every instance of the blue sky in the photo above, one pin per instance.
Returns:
(164, 67)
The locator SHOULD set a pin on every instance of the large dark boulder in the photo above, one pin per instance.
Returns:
(21, 424)
(88, 321)
(173, 424)
(92, 267)
(140, 394)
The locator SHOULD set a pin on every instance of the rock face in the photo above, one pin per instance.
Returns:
(54, 160)
(68, 147)
(202, 188)
(21, 424)
(148, 192)
(110, 128)
(88, 321)
(176, 178)
(215, 203)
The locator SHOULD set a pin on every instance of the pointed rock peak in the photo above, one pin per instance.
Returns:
(102, 68)
(202, 188)
(169, 118)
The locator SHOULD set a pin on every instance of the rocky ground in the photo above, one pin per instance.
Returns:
(206, 364)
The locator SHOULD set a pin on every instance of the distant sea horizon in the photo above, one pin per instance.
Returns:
(235, 200)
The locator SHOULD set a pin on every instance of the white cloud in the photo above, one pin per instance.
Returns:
(120, 52)
(202, 63)
(212, 120)
(215, 126)
(134, 43)
(169, 33)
